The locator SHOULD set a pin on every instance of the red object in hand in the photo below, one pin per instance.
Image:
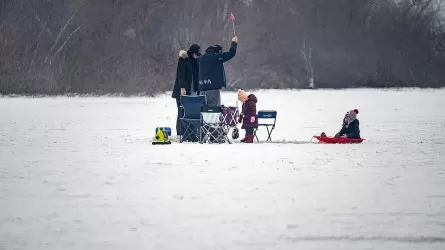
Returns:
(252, 119)
(232, 17)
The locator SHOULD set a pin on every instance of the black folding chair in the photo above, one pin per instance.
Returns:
(191, 119)
(266, 118)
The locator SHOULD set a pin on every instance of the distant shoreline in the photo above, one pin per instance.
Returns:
(168, 93)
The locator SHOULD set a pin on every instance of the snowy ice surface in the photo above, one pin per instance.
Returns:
(81, 173)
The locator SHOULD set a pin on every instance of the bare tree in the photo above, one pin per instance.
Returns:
(307, 57)
(131, 47)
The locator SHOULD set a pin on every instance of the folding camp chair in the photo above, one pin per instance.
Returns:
(230, 116)
(191, 119)
(213, 127)
(266, 118)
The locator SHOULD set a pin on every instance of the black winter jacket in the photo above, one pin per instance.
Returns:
(187, 73)
(352, 131)
(212, 75)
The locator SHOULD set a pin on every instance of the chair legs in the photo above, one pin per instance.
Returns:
(256, 136)
(269, 133)
(190, 132)
(213, 134)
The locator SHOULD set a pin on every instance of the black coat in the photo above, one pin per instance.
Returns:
(187, 73)
(212, 75)
(193, 65)
(352, 131)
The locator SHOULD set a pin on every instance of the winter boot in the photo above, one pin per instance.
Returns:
(244, 139)
(249, 139)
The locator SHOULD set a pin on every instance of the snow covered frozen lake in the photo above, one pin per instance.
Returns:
(81, 173)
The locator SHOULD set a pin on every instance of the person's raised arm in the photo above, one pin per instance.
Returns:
(227, 55)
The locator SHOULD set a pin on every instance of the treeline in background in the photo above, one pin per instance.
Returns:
(131, 46)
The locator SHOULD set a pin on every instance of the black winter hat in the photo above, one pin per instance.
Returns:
(214, 48)
(194, 49)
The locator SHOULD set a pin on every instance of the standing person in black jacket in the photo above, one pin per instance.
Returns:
(186, 82)
(212, 76)
(193, 54)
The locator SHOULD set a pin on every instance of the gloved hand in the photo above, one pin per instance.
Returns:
(235, 39)
(252, 119)
(240, 118)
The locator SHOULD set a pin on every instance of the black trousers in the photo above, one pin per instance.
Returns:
(249, 131)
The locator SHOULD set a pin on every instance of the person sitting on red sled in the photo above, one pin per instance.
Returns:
(351, 126)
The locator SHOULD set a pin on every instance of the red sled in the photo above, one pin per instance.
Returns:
(340, 140)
